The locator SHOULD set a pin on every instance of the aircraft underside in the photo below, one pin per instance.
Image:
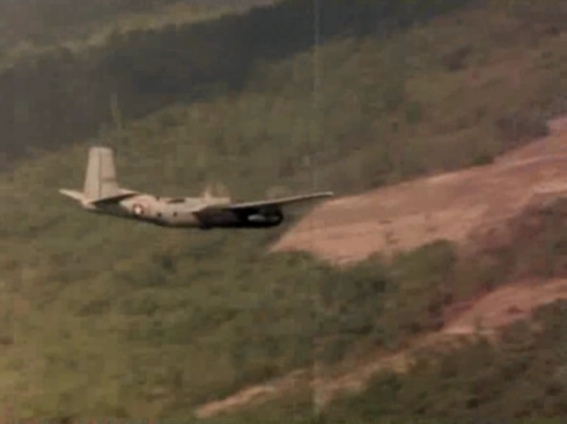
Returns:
(247, 219)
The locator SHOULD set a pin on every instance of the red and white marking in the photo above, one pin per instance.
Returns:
(138, 209)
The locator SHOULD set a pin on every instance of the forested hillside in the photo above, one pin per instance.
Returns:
(103, 317)
(61, 94)
(48, 21)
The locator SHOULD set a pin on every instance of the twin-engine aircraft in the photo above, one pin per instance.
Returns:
(102, 194)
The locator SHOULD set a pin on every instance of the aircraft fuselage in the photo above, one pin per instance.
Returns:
(185, 213)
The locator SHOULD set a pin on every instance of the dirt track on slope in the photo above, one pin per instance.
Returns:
(486, 316)
(454, 206)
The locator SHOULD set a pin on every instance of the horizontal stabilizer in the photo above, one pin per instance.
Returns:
(113, 199)
(73, 194)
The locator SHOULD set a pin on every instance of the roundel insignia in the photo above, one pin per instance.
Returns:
(138, 209)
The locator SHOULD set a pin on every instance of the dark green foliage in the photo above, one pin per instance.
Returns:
(479, 382)
(57, 97)
(483, 159)
(522, 379)
(422, 288)
(455, 60)
(46, 21)
(414, 113)
(515, 127)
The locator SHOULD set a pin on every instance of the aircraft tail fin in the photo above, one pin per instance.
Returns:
(100, 177)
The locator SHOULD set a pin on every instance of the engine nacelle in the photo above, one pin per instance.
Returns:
(242, 219)
(266, 219)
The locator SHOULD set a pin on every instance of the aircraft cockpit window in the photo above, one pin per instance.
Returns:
(176, 201)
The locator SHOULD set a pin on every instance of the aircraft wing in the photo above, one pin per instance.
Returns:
(284, 201)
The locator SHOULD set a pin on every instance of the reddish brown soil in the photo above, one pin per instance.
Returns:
(450, 206)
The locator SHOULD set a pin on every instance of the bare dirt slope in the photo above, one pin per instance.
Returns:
(455, 206)
(450, 206)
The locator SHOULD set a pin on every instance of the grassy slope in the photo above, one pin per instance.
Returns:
(104, 317)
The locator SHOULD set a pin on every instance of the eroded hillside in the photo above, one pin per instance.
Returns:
(454, 206)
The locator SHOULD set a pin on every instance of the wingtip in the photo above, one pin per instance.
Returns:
(322, 194)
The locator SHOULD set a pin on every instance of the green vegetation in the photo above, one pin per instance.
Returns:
(163, 326)
(106, 317)
(55, 97)
(523, 378)
(48, 22)
(159, 327)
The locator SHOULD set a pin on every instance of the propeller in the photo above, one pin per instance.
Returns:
(216, 189)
